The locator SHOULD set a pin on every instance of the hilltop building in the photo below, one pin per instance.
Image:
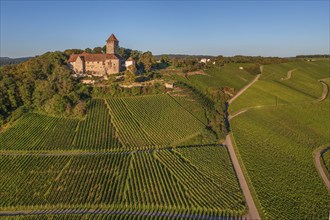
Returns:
(98, 64)
(129, 62)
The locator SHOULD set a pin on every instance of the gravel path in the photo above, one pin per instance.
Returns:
(253, 211)
(317, 159)
(289, 74)
(244, 88)
(236, 114)
(325, 92)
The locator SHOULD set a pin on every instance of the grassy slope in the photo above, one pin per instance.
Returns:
(230, 75)
(276, 144)
(303, 86)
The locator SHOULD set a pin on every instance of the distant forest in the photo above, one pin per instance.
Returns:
(8, 61)
(314, 56)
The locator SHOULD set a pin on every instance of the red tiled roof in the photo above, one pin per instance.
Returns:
(73, 58)
(89, 57)
(112, 38)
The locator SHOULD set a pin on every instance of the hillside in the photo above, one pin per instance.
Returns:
(158, 155)
(283, 123)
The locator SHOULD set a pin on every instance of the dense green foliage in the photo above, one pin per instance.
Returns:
(276, 143)
(42, 83)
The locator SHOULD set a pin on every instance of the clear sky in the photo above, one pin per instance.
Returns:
(266, 28)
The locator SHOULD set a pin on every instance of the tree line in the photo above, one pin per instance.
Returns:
(41, 84)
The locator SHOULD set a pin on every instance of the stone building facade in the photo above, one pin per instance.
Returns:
(98, 64)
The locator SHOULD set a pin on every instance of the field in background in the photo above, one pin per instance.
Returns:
(274, 88)
(228, 76)
(276, 143)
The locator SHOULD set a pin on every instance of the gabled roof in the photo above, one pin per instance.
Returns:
(112, 38)
(73, 58)
(89, 57)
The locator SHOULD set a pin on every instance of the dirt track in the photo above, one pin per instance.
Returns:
(325, 92)
(253, 211)
(317, 159)
(244, 88)
(236, 114)
(289, 74)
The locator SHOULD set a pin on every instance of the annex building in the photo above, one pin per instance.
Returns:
(98, 64)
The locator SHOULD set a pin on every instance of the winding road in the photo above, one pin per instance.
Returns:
(244, 88)
(317, 159)
(289, 74)
(253, 213)
(325, 92)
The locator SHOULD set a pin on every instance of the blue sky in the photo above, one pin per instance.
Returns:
(266, 28)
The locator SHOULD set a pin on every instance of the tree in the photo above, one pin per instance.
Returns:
(147, 60)
(164, 59)
(68, 52)
(124, 52)
(88, 50)
(80, 109)
(42, 92)
(56, 105)
(97, 50)
(129, 76)
(104, 49)
(43, 83)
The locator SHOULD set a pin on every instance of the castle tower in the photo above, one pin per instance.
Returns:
(112, 45)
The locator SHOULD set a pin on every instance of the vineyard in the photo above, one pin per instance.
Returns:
(230, 75)
(276, 144)
(39, 132)
(96, 132)
(164, 181)
(272, 90)
(155, 120)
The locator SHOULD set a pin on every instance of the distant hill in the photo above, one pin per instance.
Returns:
(180, 56)
(7, 60)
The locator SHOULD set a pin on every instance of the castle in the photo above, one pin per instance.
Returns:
(98, 64)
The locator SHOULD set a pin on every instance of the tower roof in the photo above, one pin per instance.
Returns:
(112, 38)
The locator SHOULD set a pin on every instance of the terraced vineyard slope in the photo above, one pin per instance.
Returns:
(39, 132)
(154, 120)
(276, 143)
(160, 181)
